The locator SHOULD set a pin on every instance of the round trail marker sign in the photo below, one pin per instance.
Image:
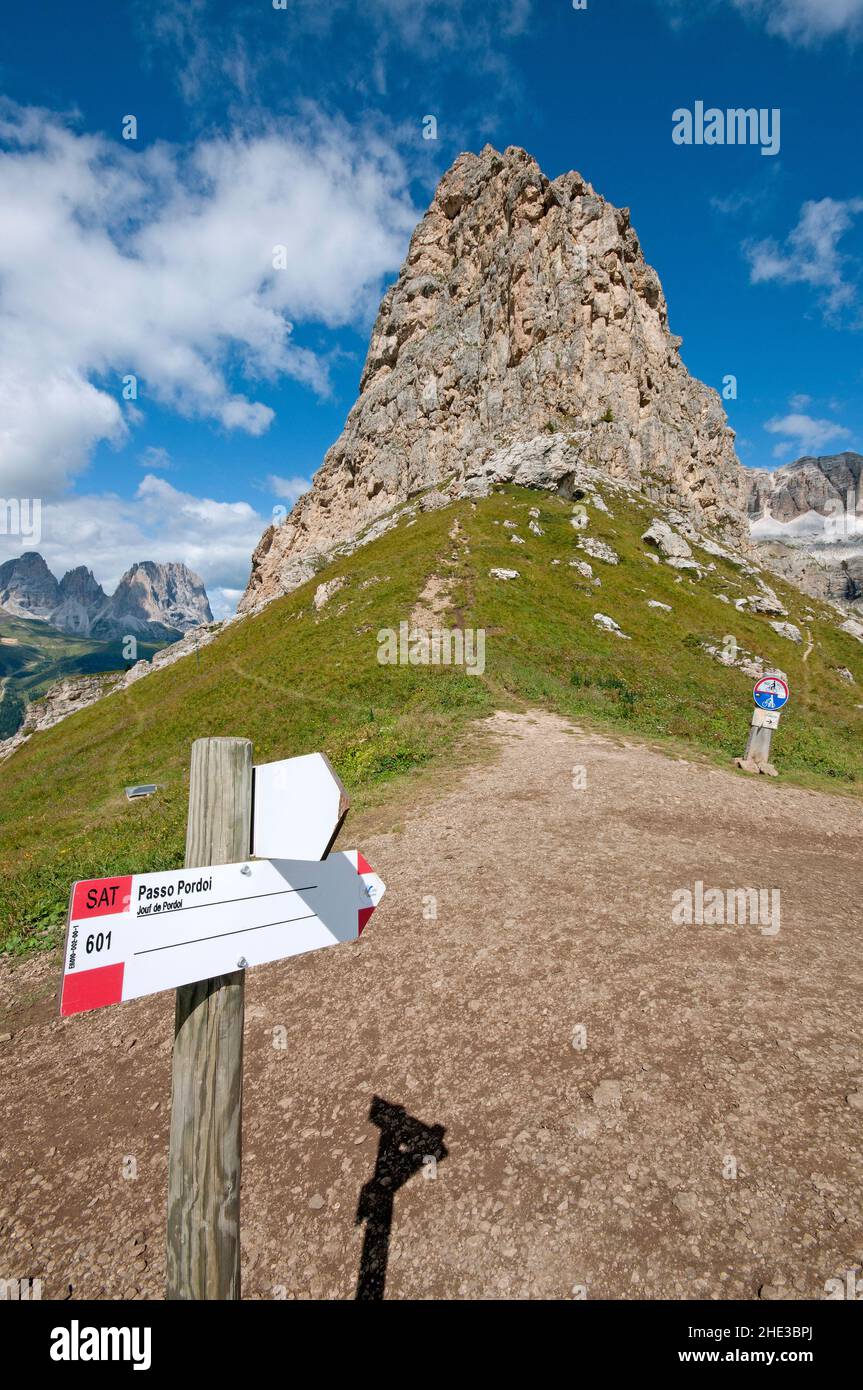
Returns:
(771, 692)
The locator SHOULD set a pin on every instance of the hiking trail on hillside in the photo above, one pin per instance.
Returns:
(560, 1167)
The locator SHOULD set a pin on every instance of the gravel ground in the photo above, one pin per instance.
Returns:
(550, 1089)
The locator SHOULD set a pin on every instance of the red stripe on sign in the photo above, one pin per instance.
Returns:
(363, 915)
(100, 897)
(363, 865)
(92, 989)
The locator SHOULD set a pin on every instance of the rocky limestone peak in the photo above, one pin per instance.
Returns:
(28, 589)
(807, 485)
(524, 316)
(807, 518)
(168, 595)
(158, 601)
(81, 598)
(81, 584)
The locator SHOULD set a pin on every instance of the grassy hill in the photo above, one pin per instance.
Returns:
(295, 680)
(34, 655)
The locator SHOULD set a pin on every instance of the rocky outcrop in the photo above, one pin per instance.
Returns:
(60, 700)
(153, 601)
(673, 548)
(765, 601)
(789, 630)
(608, 624)
(526, 336)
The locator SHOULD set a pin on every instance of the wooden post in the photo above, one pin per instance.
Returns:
(207, 1079)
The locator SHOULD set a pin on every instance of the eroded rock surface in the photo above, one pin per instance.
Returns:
(526, 335)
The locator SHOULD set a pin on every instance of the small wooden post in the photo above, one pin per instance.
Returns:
(207, 1079)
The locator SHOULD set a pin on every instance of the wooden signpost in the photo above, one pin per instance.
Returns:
(197, 929)
(205, 1146)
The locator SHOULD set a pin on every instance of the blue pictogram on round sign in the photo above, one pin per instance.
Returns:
(771, 692)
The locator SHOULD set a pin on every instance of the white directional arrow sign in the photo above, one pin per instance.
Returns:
(147, 932)
(299, 805)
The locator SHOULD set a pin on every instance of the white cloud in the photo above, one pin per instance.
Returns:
(108, 533)
(288, 489)
(811, 255)
(802, 22)
(182, 24)
(159, 262)
(154, 456)
(223, 602)
(807, 22)
(215, 51)
(733, 203)
(799, 402)
(805, 434)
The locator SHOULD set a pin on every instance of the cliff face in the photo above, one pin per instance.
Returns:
(808, 485)
(80, 597)
(525, 335)
(807, 518)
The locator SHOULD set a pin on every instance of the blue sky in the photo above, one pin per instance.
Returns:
(302, 127)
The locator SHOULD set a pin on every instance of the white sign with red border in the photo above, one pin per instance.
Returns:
(141, 933)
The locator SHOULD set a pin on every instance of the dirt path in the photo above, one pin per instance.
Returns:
(809, 645)
(709, 1050)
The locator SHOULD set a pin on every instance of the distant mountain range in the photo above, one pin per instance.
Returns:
(793, 500)
(155, 602)
(807, 517)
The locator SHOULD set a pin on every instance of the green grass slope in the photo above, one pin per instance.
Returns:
(295, 680)
(34, 655)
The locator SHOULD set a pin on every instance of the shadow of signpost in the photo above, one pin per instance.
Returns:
(405, 1146)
